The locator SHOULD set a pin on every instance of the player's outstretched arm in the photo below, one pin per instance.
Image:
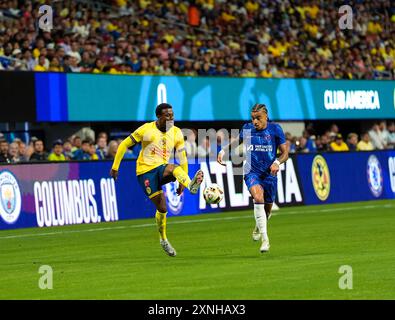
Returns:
(125, 144)
(234, 144)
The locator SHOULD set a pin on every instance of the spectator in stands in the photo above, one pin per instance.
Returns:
(352, 141)
(193, 15)
(391, 135)
(84, 152)
(67, 64)
(338, 144)
(365, 144)
(92, 151)
(57, 151)
(112, 150)
(301, 145)
(55, 66)
(333, 131)
(39, 153)
(318, 143)
(40, 66)
(30, 147)
(324, 144)
(28, 61)
(301, 40)
(103, 135)
(74, 62)
(14, 153)
(4, 147)
(101, 149)
(23, 151)
(377, 138)
(67, 147)
(289, 142)
(383, 132)
(310, 141)
(76, 143)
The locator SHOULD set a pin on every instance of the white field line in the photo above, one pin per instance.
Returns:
(367, 207)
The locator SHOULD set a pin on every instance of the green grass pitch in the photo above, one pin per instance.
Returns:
(217, 258)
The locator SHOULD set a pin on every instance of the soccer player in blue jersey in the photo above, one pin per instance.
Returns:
(261, 140)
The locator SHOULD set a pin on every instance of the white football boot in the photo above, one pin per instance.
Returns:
(168, 248)
(196, 182)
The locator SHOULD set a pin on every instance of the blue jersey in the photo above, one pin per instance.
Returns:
(261, 146)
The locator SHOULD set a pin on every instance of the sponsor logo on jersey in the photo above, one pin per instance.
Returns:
(375, 176)
(10, 197)
(320, 177)
(260, 148)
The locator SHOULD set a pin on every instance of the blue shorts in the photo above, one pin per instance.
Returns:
(152, 181)
(268, 183)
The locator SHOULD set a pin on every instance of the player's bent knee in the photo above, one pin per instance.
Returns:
(162, 209)
(259, 200)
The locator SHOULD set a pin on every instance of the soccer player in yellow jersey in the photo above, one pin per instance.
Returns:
(158, 140)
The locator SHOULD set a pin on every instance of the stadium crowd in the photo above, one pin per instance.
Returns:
(252, 38)
(380, 136)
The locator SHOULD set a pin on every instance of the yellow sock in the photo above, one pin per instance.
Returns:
(181, 176)
(161, 222)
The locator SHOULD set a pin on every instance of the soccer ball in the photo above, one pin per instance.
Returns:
(213, 194)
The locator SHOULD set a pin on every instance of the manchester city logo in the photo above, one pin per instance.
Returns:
(321, 178)
(174, 201)
(375, 176)
(10, 197)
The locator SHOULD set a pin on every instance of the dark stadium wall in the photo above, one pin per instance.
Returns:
(17, 97)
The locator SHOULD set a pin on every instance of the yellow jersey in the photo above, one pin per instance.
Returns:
(364, 146)
(54, 157)
(156, 146)
(336, 147)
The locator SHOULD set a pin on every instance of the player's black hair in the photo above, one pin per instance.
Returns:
(259, 107)
(162, 107)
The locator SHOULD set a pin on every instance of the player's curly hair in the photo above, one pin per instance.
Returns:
(162, 107)
(259, 107)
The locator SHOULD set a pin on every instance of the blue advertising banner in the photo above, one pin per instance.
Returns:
(347, 176)
(55, 194)
(104, 97)
(51, 194)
